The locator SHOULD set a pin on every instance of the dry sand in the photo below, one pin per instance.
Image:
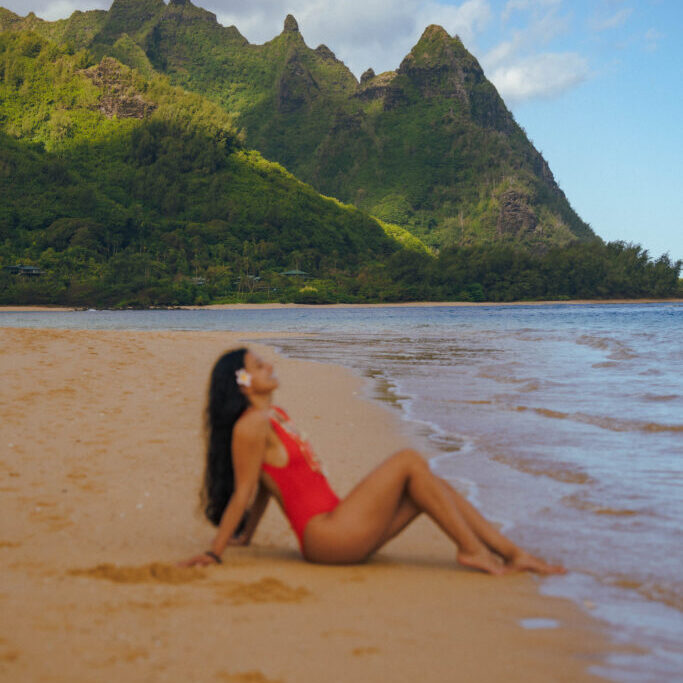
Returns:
(101, 452)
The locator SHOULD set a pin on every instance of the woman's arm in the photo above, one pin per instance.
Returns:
(248, 453)
(255, 514)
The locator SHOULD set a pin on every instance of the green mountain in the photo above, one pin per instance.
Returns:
(430, 146)
(125, 188)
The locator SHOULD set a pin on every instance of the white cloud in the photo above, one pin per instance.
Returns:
(652, 39)
(540, 31)
(541, 75)
(521, 67)
(613, 21)
(465, 20)
(51, 10)
(61, 9)
(512, 6)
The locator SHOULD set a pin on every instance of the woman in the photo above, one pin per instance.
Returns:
(255, 452)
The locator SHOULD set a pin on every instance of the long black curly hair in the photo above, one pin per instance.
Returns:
(226, 404)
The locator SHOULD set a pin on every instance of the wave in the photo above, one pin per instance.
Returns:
(613, 424)
(617, 350)
(657, 397)
(505, 378)
(671, 595)
(579, 503)
(557, 471)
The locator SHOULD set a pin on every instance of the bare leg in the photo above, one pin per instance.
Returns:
(515, 557)
(368, 516)
(406, 512)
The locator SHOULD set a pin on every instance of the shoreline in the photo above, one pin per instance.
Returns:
(403, 304)
(435, 304)
(116, 484)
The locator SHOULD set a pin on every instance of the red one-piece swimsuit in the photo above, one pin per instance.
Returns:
(304, 489)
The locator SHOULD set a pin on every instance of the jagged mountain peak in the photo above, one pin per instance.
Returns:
(189, 11)
(325, 52)
(367, 76)
(136, 5)
(291, 25)
(435, 31)
(437, 48)
(131, 13)
(7, 18)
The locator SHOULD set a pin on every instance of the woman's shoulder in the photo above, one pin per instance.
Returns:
(253, 422)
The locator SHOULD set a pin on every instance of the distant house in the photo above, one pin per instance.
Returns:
(26, 271)
(296, 273)
(252, 283)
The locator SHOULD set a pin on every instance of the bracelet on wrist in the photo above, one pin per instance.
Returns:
(214, 557)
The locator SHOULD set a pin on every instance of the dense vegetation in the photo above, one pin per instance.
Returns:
(583, 270)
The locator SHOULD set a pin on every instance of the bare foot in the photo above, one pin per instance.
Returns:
(484, 561)
(524, 562)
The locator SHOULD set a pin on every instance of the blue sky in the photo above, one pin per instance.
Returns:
(597, 85)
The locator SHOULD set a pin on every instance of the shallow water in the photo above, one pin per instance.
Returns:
(564, 423)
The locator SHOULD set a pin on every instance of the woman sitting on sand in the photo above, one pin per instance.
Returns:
(255, 451)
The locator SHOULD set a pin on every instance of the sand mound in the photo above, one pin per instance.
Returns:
(246, 677)
(267, 589)
(155, 572)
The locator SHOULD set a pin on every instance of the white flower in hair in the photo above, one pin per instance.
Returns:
(243, 378)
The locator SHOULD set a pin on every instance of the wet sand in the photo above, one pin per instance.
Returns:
(101, 456)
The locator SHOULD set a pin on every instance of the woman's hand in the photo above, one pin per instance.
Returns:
(242, 539)
(202, 560)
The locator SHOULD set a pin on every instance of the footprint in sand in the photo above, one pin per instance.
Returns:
(9, 656)
(80, 479)
(45, 513)
(155, 572)
(268, 589)
(130, 654)
(246, 677)
(340, 632)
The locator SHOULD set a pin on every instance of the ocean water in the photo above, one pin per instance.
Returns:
(563, 423)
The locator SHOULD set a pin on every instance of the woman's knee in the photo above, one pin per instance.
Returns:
(411, 459)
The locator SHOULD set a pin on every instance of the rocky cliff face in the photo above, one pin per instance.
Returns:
(516, 218)
(297, 88)
(119, 99)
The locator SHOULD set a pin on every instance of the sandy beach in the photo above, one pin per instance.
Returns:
(101, 456)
